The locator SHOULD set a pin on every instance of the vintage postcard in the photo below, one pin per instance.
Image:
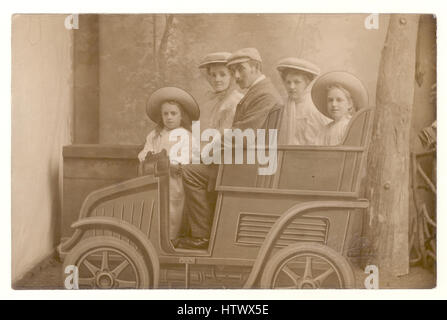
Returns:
(220, 151)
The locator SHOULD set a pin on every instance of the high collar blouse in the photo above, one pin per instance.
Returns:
(301, 122)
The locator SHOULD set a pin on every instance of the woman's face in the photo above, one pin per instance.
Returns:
(338, 105)
(295, 84)
(219, 77)
(171, 115)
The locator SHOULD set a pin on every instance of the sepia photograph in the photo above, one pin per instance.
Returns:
(223, 151)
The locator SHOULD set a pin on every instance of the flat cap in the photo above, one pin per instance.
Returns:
(244, 55)
(348, 81)
(215, 57)
(298, 64)
(189, 105)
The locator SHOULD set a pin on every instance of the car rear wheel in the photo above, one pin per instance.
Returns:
(307, 266)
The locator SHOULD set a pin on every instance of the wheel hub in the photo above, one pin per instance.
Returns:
(105, 280)
(308, 284)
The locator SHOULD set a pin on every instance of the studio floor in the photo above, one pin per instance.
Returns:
(49, 276)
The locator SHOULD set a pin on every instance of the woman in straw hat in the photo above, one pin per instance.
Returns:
(338, 95)
(301, 122)
(173, 110)
(219, 103)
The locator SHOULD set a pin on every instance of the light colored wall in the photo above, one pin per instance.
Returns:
(126, 73)
(41, 113)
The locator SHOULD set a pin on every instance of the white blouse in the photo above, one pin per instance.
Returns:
(301, 122)
(219, 109)
(334, 132)
(185, 144)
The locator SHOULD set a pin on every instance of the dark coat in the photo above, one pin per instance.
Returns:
(253, 109)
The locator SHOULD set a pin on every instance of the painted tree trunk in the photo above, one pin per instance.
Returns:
(389, 156)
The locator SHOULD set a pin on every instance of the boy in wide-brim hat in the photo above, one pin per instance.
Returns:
(338, 95)
(301, 122)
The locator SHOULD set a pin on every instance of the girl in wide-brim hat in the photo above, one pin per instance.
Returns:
(338, 95)
(188, 106)
(219, 104)
(173, 109)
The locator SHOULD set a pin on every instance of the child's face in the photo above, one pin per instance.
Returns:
(338, 105)
(219, 77)
(171, 115)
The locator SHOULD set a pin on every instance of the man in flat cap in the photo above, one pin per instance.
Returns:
(252, 112)
(301, 121)
(261, 97)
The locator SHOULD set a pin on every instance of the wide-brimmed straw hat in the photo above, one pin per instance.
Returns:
(299, 65)
(215, 58)
(189, 105)
(348, 81)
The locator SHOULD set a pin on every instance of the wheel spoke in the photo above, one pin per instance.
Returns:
(86, 282)
(123, 284)
(120, 268)
(92, 268)
(320, 279)
(105, 261)
(292, 275)
(308, 269)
